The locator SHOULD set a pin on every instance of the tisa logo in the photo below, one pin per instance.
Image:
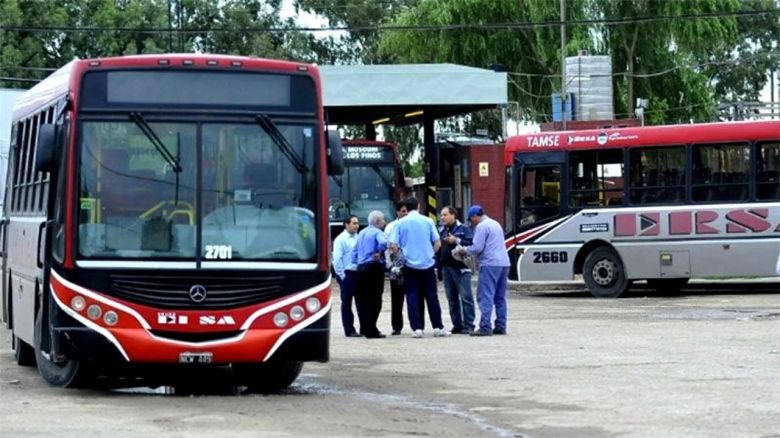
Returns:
(602, 138)
(213, 320)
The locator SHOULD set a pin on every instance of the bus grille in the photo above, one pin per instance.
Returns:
(172, 292)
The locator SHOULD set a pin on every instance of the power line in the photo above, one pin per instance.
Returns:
(10, 79)
(392, 27)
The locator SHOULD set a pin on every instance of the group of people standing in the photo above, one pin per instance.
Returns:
(412, 250)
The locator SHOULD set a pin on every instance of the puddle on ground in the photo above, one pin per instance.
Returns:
(723, 314)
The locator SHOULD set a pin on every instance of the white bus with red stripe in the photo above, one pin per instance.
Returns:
(169, 211)
(663, 204)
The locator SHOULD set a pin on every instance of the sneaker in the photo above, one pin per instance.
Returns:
(354, 335)
(498, 331)
(440, 333)
(417, 334)
(480, 333)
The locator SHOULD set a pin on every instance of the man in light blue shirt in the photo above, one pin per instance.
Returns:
(346, 272)
(368, 256)
(488, 247)
(417, 237)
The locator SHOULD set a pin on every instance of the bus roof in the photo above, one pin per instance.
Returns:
(60, 82)
(668, 135)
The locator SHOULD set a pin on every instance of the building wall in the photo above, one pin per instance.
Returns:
(488, 191)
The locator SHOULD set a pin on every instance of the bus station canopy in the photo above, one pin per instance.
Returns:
(402, 94)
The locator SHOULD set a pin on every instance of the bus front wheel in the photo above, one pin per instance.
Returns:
(268, 377)
(66, 374)
(604, 273)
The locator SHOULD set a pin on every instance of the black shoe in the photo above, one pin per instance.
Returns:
(376, 336)
(480, 333)
(499, 331)
(456, 331)
(396, 332)
(354, 335)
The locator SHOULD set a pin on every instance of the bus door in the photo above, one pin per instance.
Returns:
(540, 188)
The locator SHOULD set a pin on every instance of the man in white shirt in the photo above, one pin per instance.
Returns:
(346, 272)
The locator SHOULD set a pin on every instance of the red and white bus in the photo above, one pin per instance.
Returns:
(662, 204)
(372, 180)
(169, 209)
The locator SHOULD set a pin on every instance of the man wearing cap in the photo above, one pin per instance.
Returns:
(488, 246)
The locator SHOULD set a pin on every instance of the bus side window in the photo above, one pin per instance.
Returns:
(768, 171)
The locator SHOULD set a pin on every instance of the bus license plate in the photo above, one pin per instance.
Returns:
(202, 357)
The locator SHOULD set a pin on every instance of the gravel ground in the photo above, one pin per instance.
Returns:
(703, 362)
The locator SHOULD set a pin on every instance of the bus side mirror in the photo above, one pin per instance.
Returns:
(335, 153)
(47, 141)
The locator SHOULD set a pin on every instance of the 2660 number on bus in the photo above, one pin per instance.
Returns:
(550, 256)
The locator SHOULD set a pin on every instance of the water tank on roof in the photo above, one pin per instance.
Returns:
(589, 79)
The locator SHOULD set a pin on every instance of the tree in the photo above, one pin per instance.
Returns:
(534, 51)
(99, 28)
(660, 49)
(361, 44)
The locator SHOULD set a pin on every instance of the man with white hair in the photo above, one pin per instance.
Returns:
(368, 256)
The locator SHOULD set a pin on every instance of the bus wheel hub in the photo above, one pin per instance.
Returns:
(604, 272)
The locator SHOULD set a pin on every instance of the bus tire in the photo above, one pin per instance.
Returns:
(604, 273)
(268, 377)
(24, 354)
(667, 284)
(68, 374)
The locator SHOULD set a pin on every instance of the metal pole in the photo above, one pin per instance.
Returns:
(170, 28)
(563, 63)
(772, 92)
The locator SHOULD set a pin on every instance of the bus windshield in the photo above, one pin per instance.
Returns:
(236, 189)
(362, 189)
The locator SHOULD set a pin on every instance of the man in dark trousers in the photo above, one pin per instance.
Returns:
(396, 277)
(346, 272)
(368, 256)
(416, 236)
(455, 274)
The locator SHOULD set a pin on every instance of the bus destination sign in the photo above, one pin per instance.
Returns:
(367, 153)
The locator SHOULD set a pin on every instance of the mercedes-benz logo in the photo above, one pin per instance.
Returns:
(197, 293)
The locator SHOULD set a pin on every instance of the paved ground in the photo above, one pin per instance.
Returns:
(698, 363)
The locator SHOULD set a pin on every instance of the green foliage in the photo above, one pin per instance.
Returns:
(124, 27)
(683, 65)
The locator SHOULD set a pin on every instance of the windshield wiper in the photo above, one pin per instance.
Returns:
(139, 120)
(287, 149)
(388, 183)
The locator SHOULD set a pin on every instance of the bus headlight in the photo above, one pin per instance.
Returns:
(111, 318)
(78, 303)
(281, 319)
(297, 313)
(313, 305)
(94, 311)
